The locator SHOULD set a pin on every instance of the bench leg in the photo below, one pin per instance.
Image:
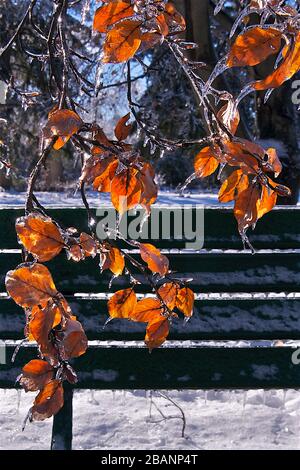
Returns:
(62, 423)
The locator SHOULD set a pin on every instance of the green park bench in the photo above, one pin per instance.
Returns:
(244, 305)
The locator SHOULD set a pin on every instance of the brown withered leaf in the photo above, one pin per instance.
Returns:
(111, 13)
(147, 310)
(62, 123)
(254, 46)
(40, 236)
(122, 129)
(156, 333)
(168, 293)
(75, 252)
(185, 301)
(122, 41)
(35, 375)
(88, 244)
(125, 190)
(72, 340)
(245, 208)
(122, 304)
(30, 284)
(205, 163)
(174, 20)
(113, 259)
(244, 154)
(156, 262)
(48, 402)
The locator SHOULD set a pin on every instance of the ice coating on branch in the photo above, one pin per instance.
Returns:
(219, 6)
(85, 10)
(220, 68)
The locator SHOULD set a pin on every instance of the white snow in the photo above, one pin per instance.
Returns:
(73, 199)
(121, 420)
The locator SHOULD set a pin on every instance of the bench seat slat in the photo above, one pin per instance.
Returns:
(213, 319)
(175, 368)
(211, 272)
(274, 230)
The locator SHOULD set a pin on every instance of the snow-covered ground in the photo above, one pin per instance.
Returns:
(121, 420)
(71, 198)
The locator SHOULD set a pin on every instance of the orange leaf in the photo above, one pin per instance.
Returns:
(122, 130)
(62, 123)
(231, 185)
(287, 68)
(245, 208)
(156, 333)
(30, 284)
(40, 236)
(205, 163)
(147, 310)
(157, 263)
(122, 304)
(149, 187)
(266, 202)
(48, 402)
(42, 321)
(122, 42)
(125, 190)
(185, 301)
(254, 46)
(35, 375)
(168, 293)
(113, 260)
(109, 14)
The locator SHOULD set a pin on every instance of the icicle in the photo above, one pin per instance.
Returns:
(113, 394)
(85, 10)
(111, 281)
(244, 92)
(205, 397)
(146, 141)
(247, 11)
(264, 396)
(268, 94)
(19, 392)
(161, 153)
(143, 221)
(222, 166)
(284, 398)
(219, 6)
(220, 68)
(245, 394)
(152, 147)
